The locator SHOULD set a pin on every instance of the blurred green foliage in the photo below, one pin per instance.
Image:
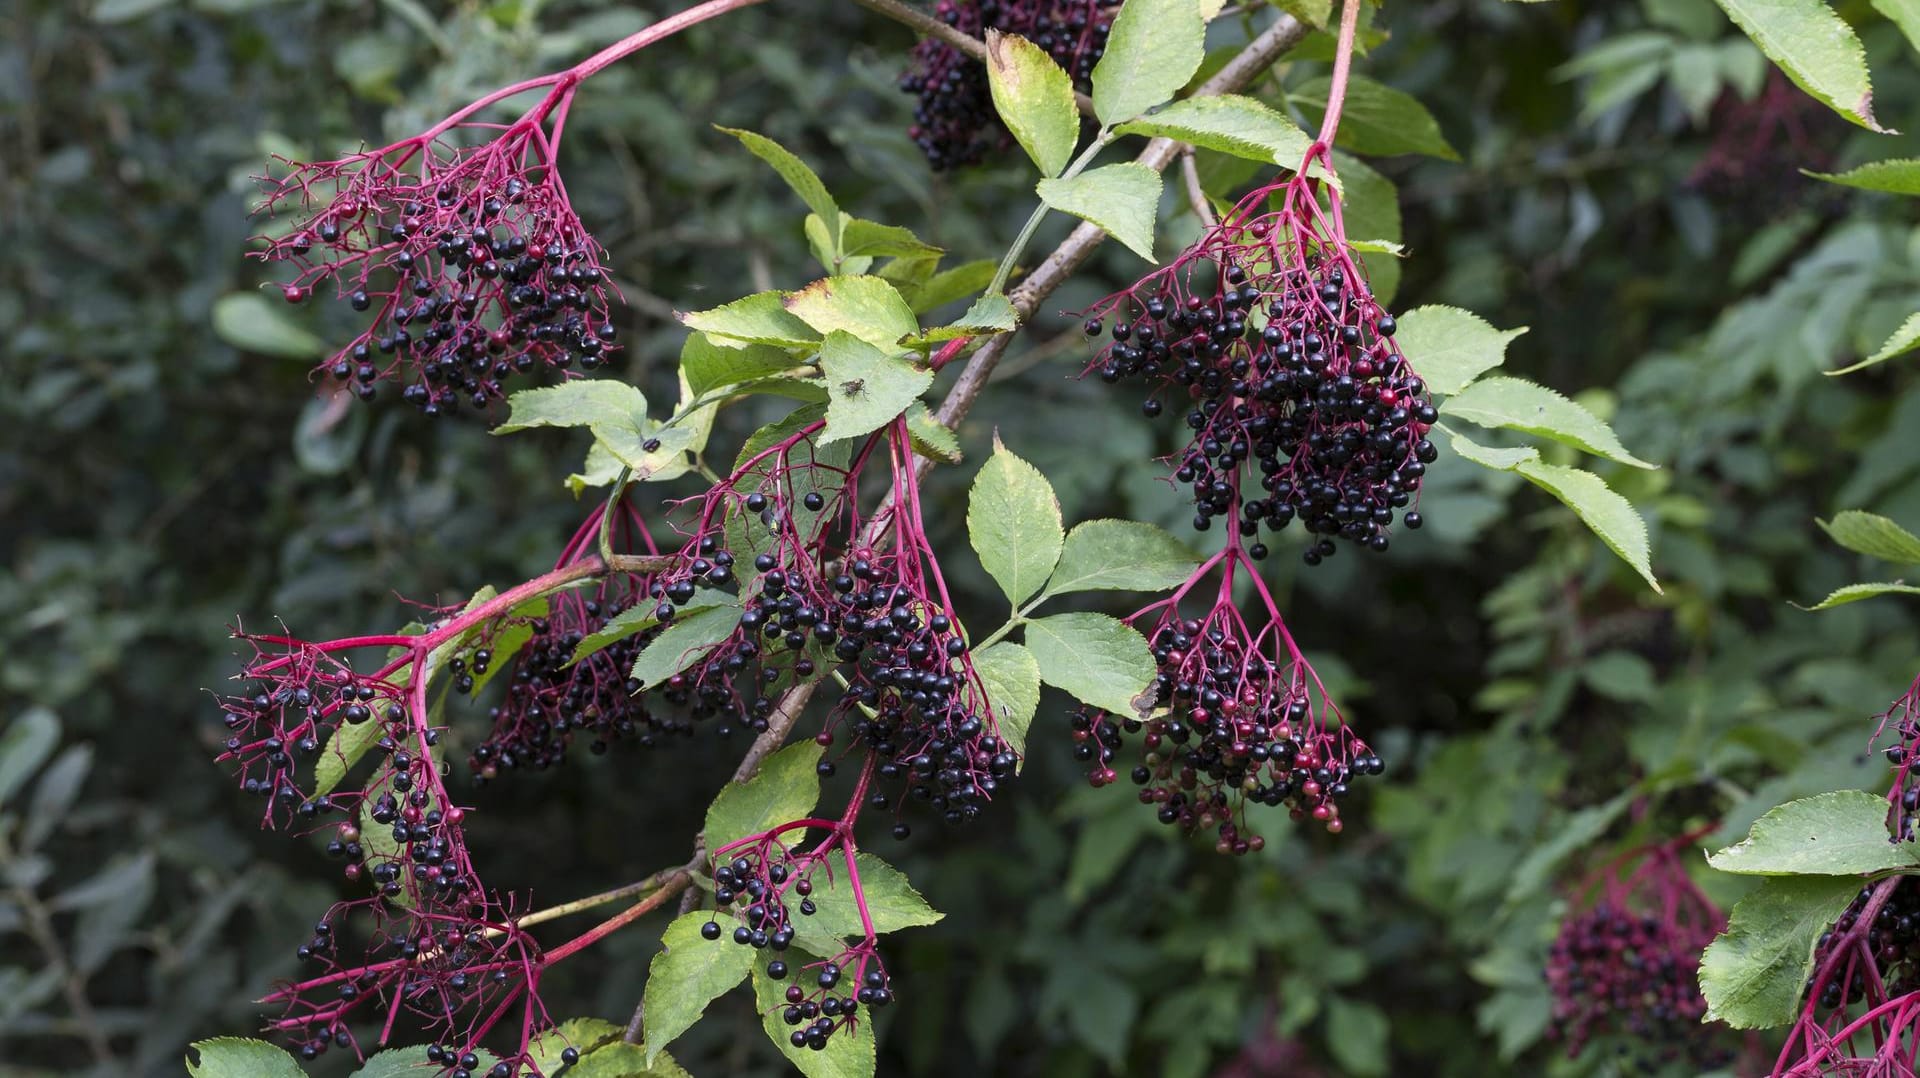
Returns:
(1537, 704)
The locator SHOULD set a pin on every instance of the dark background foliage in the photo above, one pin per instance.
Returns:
(157, 483)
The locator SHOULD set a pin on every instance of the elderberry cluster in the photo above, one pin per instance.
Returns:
(551, 699)
(954, 121)
(1893, 939)
(470, 260)
(1227, 725)
(815, 597)
(1633, 978)
(1293, 372)
(763, 884)
(299, 697)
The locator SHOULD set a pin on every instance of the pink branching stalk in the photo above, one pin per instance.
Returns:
(1266, 333)
(429, 944)
(772, 881)
(551, 698)
(832, 587)
(1861, 1011)
(1235, 715)
(462, 243)
(1626, 962)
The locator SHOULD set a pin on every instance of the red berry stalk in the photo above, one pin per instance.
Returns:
(1627, 959)
(462, 243)
(430, 940)
(771, 880)
(1861, 1011)
(1265, 333)
(551, 698)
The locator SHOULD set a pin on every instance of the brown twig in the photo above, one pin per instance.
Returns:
(1196, 195)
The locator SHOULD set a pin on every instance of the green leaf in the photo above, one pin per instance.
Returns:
(1154, 48)
(1905, 14)
(1449, 347)
(1612, 517)
(1121, 555)
(1013, 522)
(1500, 460)
(1579, 831)
(870, 308)
(1753, 974)
(1904, 340)
(989, 314)
(1621, 675)
(1378, 119)
(947, 286)
(1100, 660)
(1371, 204)
(1899, 176)
(785, 789)
(793, 170)
(710, 364)
(113, 11)
(861, 237)
(241, 1057)
(892, 902)
(761, 318)
(1853, 593)
(1229, 123)
(632, 621)
(866, 387)
(1874, 535)
(1358, 1036)
(1123, 199)
(1842, 833)
(847, 1054)
(682, 643)
(1012, 680)
(1521, 405)
(407, 1062)
(1034, 98)
(29, 740)
(1815, 48)
(580, 1034)
(689, 973)
(930, 437)
(251, 322)
(55, 793)
(581, 403)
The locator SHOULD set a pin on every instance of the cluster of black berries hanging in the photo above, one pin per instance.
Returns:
(1624, 968)
(1264, 337)
(425, 935)
(823, 587)
(954, 122)
(1234, 716)
(557, 694)
(762, 882)
(461, 247)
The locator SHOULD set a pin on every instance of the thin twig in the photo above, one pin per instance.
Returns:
(1196, 195)
(928, 25)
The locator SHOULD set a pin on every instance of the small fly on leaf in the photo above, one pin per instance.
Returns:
(853, 387)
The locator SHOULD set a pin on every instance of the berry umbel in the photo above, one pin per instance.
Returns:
(1624, 968)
